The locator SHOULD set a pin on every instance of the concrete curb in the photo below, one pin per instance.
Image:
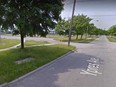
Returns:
(38, 69)
(4, 85)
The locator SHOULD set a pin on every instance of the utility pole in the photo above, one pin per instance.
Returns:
(87, 33)
(71, 24)
(0, 33)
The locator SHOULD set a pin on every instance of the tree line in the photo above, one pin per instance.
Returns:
(81, 26)
(112, 31)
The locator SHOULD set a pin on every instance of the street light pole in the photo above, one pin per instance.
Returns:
(71, 24)
(87, 32)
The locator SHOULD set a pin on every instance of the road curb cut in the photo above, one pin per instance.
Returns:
(38, 69)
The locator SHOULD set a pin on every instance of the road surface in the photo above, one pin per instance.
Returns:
(94, 65)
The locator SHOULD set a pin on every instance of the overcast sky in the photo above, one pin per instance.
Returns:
(103, 12)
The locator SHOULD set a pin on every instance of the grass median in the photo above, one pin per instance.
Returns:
(84, 39)
(41, 55)
(6, 43)
(112, 39)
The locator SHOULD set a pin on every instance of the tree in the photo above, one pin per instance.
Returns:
(81, 25)
(30, 17)
(62, 27)
(93, 30)
(81, 22)
(112, 30)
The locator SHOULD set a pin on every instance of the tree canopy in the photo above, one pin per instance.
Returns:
(62, 27)
(112, 30)
(30, 17)
(81, 23)
(81, 26)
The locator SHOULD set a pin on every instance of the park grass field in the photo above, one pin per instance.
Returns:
(112, 39)
(84, 39)
(41, 55)
(6, 43)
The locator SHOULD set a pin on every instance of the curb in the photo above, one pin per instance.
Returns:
(38, 69)
(4, 85)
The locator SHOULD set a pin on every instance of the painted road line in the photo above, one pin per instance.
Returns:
(93, 65)
(94, 71)
(86, 72)
(92, 68)
(94, 60)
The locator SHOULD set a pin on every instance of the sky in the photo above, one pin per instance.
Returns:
(103, 12)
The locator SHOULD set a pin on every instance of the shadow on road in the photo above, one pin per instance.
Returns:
(59, 74)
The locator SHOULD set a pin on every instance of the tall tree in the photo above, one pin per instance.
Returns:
(112, 30)
(30, 17)
(81, 22)
(62, 27)
(92, 29)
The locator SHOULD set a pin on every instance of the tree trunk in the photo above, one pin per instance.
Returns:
(81, 36)
(90, 35)
(22, 41)
(76, 37)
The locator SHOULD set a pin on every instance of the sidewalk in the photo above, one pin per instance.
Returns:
(10, 48)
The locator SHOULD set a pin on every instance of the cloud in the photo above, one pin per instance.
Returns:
(102, 10)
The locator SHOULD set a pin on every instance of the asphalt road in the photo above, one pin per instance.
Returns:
(94, 65)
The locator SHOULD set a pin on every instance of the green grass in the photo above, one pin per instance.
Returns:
(112, 39)
(9, 70)
(76, 41)
(5, 43)
(73, 38)
(31, 42)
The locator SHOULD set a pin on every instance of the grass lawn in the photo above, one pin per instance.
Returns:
(31, 42)
(111, 39)
(65, 38)
(5, 43)
(9, 70)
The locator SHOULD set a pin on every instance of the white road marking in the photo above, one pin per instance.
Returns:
(94, 60)
(86, 72)
(94, 71)
(92, 68)
(93, 65)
